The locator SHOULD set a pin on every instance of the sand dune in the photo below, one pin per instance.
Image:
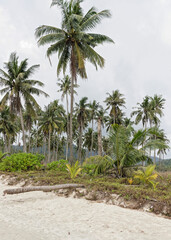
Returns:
(40, 216)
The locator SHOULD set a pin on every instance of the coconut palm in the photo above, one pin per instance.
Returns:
(115, 101)
(101, 119)
(29, 118)
(144, 112)
(157, 106)
(73, 43)
(93, 111)
(124, 143)
(50, 120)
(82, 113)
(157, 141)
(18, 88)
(7, 126)
(65, 88)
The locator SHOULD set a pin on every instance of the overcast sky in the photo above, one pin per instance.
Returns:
(138, 64)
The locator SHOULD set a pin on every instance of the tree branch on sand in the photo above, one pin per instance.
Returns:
(41, 188)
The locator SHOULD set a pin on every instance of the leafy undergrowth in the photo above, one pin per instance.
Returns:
(141, 194)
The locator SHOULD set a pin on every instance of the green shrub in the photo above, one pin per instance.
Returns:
(21, 162)
(89, 169)
(98, 165)
(58, 165)
(147, 176)
(74, 170)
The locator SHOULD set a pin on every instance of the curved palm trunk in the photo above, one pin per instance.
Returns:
(92, 138)
(23, 130)
(99, 130)
(67, 128)
(73, 78)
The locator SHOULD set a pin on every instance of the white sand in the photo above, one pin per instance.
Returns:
(40, 216)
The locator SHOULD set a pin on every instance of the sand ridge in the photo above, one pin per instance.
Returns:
(40, 216)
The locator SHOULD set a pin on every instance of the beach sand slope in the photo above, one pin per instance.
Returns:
(40, 216)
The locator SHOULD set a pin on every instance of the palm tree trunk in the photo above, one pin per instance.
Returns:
(9, 144)
(44, 148)
(57, 147)
(67, 127)
(92, 138)
(99, 130)
(49, 146)
(73, 78)
(80, 143)
(54, 142)
(29, 140)
(155, 153)
(5, 142)
(22, 126)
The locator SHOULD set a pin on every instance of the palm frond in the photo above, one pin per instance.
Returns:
(95, 19)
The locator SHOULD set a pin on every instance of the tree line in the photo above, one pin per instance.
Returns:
(86, 128)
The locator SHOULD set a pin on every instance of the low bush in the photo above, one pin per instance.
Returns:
(58, 165)
(98, 165)
(22, 162)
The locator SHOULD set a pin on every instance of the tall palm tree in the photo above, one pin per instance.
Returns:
(158, 140)
(93, 111)
(73, 43)
(7, 126)
(82, 113)
(29, 118)
(115, 101)
(143, 112)
(101, 119)
(157, 105)
(88, 139)
(18, 87)
(65, 88)
(49, 121)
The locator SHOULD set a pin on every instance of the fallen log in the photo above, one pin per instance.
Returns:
(41, 188)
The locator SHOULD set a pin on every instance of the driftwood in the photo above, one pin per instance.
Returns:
(41, 188)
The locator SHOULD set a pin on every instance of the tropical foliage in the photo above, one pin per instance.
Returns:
(74, 169)
(81, 130)
(147, 175)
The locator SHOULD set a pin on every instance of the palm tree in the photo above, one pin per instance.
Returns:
(93, 111)
(88, 139)
(143, 112)
(115, 101)
(49, 121)
(29, 118)
(124, 144)
(73, 44)
(18, 87)
(82, 113)
(157, 105)
(158, 140)
(7, 126)
(65, 88)
(101, 119)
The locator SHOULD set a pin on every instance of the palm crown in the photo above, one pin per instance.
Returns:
(72, 42)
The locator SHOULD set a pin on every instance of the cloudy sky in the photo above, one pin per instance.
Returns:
(138, 64)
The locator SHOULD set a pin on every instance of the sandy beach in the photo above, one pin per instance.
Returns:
(40, 216)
